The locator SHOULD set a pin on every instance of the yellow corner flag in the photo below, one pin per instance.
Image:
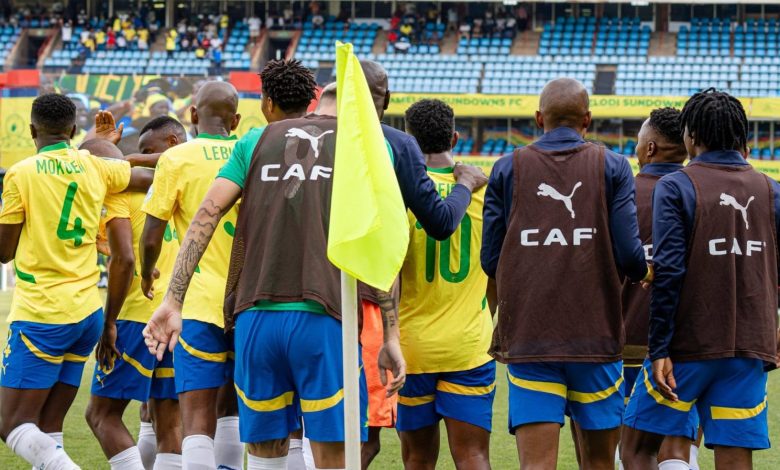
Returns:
(369, 229)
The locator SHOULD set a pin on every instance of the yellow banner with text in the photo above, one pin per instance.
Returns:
(602, 106)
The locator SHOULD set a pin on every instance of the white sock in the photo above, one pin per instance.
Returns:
(58, 437)
(673, 464)
(308, 455)
(147, 444)
(197, 453)
(38, 448)
(694, 460)
(228, 449)
(260, 463)
(295, 460)
(167, 462)
(128, 459)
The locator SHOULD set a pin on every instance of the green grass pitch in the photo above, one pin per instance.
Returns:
(84, 449)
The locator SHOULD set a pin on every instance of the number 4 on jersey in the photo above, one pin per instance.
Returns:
(77, 232)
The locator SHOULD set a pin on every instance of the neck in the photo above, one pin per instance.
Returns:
(45, 141)
(213, 128)
(670, 158)
(439, 160)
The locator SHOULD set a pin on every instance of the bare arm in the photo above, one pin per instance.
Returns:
(140, 180)
(165, 325)
(121, 265)
(148, 160)
(390, 356)
(151, 245)
(9, 240)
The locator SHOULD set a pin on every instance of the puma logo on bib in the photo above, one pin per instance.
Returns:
(548, 191)
(731, 201)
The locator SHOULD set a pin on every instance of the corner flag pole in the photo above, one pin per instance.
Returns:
(349, 341)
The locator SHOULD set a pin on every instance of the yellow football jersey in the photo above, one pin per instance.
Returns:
(444, 318)
(137, 307)
(183, 176)
(58, 195)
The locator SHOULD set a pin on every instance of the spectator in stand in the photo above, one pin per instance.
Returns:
(100, 39)
(170, 43)
(90, 43)
(406, 31)
(433, 14)
(224, 22)
(477, 30)
(522, 18)
(143, 38)
(111, 39)
(84, 36)
(489, 24)
(200, 52)
(121, 42)
(216, 43)
(216, 59)
(67, 32)
(116, 25)
(465, 30)
(452, 19)
(254, 28)
(317, 21)
(501, 23)
(81, 19)
(129, 34)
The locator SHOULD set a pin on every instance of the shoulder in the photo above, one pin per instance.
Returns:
(503, 166)
(673, 183)
(616, 162)
(395, 137)
(251, 136)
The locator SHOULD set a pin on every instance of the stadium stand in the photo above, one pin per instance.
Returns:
(8, 37)
(432, 73)
(583, 36)
(317, 44)
(675, 76)
(706, 37)
(484, 46)
(528, 74)
(132, 60)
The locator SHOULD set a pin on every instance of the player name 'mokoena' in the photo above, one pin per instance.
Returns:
(53, 166)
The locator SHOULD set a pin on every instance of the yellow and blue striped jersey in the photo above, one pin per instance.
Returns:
(444, 318)
(137, 307)
(58, 195)
(183, 176)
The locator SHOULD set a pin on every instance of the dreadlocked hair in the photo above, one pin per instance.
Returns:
(666, 121)
(289, 84)
(715, 120)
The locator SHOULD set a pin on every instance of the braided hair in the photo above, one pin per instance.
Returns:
(289, 84)
(715, 120)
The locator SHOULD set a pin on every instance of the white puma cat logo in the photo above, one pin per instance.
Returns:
(549, 191)
(314, 141)
(729, 200)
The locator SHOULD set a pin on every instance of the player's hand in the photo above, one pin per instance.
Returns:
(163, 328)
(106, 352)
(391, 360)
(105, 127)
(649, 277)
(470, 176)
(664, 378)
(147, 284)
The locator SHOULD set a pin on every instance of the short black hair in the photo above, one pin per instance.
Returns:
(715, 120)
(666, 121)
(432, 123)
(161, 122)
(54, 113)
(289, 84)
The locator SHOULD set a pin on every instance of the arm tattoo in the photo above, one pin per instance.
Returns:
(389, 308)
(194, 245)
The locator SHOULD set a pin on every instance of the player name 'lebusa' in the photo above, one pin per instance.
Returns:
(530, 237)
(218, 152)
(271, 172)
(53, 166)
